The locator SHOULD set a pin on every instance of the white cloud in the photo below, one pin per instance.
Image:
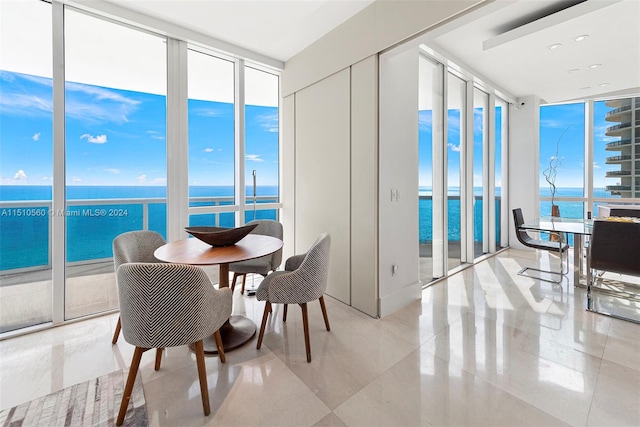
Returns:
(20, 175)
(208, 150)
(113, 170)
(36, 136)
(76, 179)
(454, 147)
(596, 165)
(268, 122)
(142, 178)
(155, 135)
(100, 139)
(158, 181)
(253, 158)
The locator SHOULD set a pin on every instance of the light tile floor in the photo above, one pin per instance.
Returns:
(484, 347)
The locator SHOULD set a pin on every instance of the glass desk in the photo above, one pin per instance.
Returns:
(577, 227)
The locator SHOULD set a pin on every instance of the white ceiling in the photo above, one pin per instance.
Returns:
(507, 42)
(519, 62)
(274, 28)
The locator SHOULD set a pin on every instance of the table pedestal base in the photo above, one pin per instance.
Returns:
(235, 332)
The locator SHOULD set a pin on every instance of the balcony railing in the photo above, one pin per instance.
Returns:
(616, 159)
(618, 127)
(92, 224)
(619, 110)
(618, 173)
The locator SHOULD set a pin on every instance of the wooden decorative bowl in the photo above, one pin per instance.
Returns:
(219, 236)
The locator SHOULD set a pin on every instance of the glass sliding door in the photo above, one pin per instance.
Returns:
(26, 164)
(211, 139)
(115, 115)
(480, 176)
(456, 106)
(261, 158)
(430, 141)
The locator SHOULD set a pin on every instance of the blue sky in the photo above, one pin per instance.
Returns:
(118, 137)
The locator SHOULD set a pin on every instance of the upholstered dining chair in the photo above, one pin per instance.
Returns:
(168, 305)
(134, 246)
(559, 246)
(263, 265)
(304, 280)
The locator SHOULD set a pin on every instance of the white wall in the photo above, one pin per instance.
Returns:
(322, 174)
(524, 161)
(398, 178)
(364, 185)
(335, 119)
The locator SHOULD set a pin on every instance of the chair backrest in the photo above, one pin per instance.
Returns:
(167, 305)
(635, 213)
(269, 227)
(518, 220)
(136, 246)
(615, 247)
(314, 269)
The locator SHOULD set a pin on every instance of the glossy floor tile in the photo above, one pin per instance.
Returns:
(485, 347)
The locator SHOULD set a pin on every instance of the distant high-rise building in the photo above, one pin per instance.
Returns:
(627, 114)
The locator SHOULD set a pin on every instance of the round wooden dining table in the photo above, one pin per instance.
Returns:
(238, 329)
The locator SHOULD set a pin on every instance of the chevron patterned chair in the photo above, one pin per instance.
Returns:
(304, 280)
(262, 265)
(169, 305)
(134, 246)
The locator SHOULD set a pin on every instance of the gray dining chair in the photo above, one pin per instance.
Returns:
(134, 246)
(263, 265)
(558, 246)
(168, 305)
(304, 280)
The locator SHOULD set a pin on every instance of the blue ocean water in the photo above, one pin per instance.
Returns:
(25, 230)
(91, 228)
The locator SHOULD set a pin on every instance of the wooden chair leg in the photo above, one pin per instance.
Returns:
(244, 282)
(218, 338)
(131, 379)
(305, 324)
(116, 333)
(284, 314)
(202, 376)
(233, 282)
(265, 315)
(158, 358)
(324, 313)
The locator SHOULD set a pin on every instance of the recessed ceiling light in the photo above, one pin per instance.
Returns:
(582, 37)
(554, 46)
(573, 70)
(585, 88)
(604, 84)
(595, 65)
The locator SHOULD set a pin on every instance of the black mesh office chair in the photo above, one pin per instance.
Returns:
(560, 247)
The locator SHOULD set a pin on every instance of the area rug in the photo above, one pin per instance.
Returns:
(92, 403)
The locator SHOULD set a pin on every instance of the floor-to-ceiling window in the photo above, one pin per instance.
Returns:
(26, 164)
(480, 176)
(84, 100)
(501, 121)
(562, 154)
(430, 140)
(611, 141)
(460, 197)
(211, 138)
(262, 92)
(115, 150)
(456, 141)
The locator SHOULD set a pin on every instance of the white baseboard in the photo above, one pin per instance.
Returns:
(387, 304)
